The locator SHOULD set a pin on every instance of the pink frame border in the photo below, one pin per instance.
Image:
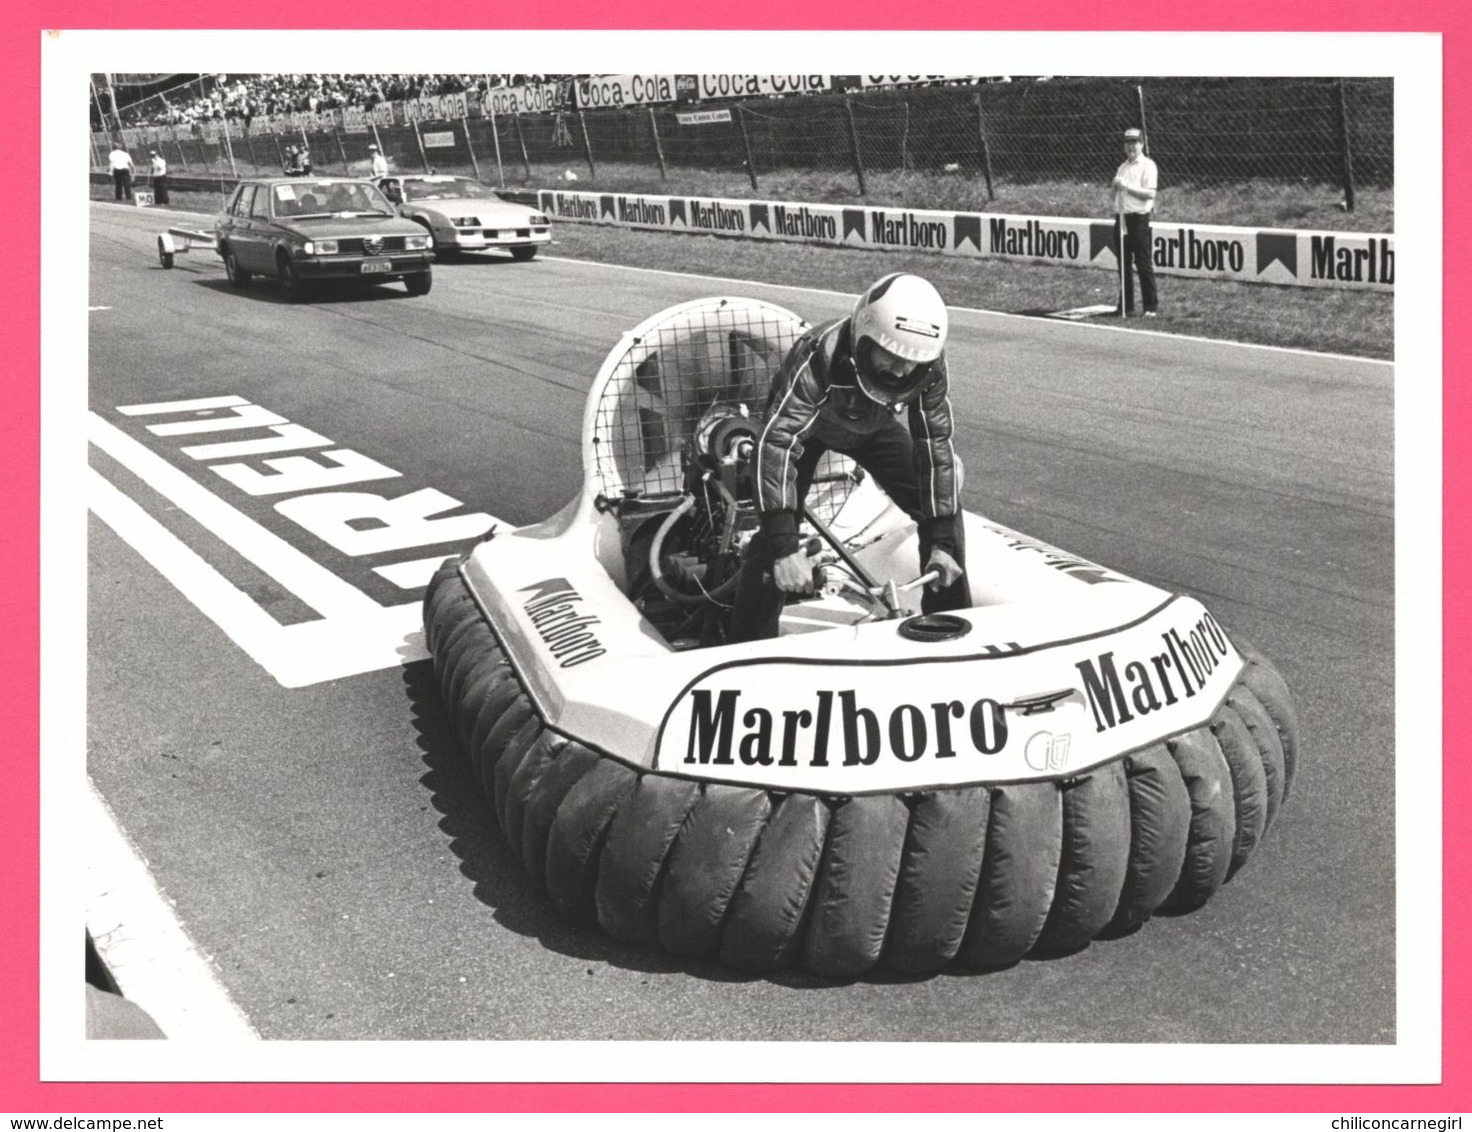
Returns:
(19, 556)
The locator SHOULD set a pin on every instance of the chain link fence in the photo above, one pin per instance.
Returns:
(1315, 132)
(125, 104)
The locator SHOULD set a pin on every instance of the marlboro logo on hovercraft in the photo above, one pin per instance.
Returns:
(1033, 713)
(835, 726)
(1181, 667)
(553, 610)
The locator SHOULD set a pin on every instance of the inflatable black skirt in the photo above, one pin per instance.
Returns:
(979, 875)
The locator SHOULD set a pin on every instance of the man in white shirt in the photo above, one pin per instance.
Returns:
(380, 163)
(120, 161)
(1134, 196)
(160, 170)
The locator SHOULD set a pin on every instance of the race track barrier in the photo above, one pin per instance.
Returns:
(1358, 260)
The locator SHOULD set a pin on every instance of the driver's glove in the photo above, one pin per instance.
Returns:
(950, 569)
(794, 573)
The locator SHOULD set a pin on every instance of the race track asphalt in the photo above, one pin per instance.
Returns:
(324, 844)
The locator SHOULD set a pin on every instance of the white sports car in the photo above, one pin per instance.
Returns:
(465, 215)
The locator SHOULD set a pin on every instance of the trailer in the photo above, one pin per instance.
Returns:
(179, 241)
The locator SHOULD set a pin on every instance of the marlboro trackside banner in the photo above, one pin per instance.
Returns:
(1247, 255)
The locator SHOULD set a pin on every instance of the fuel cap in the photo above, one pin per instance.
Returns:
(931, 628)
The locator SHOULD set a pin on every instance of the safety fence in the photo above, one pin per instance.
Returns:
(1314, 132)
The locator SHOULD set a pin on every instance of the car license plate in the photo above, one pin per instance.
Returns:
(377, 266)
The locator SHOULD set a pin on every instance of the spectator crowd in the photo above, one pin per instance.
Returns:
(243, 97)
(216, 98)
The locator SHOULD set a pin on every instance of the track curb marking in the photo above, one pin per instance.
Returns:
(144, 945)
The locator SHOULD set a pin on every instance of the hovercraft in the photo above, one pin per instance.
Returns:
(875, 786)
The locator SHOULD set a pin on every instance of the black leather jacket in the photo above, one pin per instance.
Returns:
(816, 395)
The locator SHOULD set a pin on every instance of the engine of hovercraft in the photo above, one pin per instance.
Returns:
(683, 553)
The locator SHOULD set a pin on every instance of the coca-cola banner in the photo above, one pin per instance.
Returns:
(435, 108)
(595, 92)
(530, 98)
(760, 86)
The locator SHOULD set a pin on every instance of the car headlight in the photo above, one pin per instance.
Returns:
(466, 222)
(320, 247)
(416, 243)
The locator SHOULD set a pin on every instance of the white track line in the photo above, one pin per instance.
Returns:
(144, 945)
(1031, 319)
(308, 579)
(348, 643)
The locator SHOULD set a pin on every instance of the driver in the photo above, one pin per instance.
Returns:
(841, 387)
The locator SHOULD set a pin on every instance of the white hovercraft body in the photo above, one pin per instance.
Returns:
(1063, 665)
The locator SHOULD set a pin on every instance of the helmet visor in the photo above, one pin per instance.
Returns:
(886, 376)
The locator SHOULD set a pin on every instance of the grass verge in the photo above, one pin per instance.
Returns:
(1328, 321)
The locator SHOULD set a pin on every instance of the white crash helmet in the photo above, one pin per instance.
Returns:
(899, 327)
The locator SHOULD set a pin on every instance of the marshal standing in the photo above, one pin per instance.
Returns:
(1134, 198)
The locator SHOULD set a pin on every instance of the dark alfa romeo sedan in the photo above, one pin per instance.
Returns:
(300, 230)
